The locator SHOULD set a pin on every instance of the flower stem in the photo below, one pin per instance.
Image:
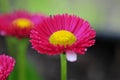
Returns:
(63, 67)
(21, 58)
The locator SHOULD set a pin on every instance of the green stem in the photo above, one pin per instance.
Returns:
(21, 58)
(17, 48)
(23, 70)
(63, 67)
(11, 43)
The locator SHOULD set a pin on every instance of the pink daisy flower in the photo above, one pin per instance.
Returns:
(7, 64)
(19, 23)
(65, 33)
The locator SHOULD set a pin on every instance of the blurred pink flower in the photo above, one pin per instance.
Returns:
(63, 33)
(19, 23)
(7, 64)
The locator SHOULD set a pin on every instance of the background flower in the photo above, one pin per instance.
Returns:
(63, 33)
(7, 64)
(16, 27)
(19, 23)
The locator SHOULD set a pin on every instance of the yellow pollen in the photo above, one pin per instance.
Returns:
(62, 37)
(22, 23)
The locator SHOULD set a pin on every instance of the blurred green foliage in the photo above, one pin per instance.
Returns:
(100, 13)
(83, 8)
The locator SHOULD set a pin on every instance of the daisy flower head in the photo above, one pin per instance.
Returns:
(7, 64)
(19, 23)
(63, 33)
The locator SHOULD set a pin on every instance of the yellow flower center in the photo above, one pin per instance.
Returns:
(62, 37)
(22, 23)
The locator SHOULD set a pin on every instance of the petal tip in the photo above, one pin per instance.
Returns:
(71, 56)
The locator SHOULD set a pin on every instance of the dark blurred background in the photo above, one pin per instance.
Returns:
(101, 62)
